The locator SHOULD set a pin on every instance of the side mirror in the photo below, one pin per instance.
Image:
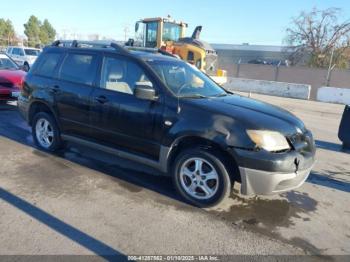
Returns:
(137, 25)
(145, 91)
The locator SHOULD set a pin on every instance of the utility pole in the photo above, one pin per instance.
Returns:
(126, 31)
(330, 67)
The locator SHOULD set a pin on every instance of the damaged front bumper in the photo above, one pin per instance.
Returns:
(258, 182)
(266, 173)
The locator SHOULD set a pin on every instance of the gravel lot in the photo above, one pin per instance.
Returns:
(85, 202)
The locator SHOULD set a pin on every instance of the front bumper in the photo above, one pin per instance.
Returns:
(258, 182)
(9, 94)
(265, 173)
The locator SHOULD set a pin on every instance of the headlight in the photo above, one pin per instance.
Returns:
(269, 140)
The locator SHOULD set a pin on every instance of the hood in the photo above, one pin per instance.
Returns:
(14, 77)
(253, 114)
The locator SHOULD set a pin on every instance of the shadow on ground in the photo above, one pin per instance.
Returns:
(331, 146)
(325, 179)
(97, 247)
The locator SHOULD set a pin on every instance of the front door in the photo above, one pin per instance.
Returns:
(118, 118)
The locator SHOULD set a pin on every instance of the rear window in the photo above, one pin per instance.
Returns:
(48, 63)
(32, 52)
(79, 68)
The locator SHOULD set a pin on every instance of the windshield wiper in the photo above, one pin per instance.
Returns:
(193, 96)
(220, 95)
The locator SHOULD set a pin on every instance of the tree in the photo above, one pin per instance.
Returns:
(319, 36)
(7, 32)
(47, 33)
(38, 32)
(32, 31)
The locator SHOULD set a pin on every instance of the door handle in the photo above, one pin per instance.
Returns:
(101, 99)
(55, 89)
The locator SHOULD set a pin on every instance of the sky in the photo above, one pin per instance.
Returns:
(261, 22)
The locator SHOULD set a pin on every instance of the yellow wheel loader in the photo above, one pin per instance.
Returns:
(169, 35)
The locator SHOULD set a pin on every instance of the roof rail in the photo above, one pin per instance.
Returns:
(103, 44)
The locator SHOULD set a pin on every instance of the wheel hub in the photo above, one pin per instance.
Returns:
(199, 178)
(44, 133)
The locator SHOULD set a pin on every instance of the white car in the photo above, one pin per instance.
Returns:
(23, 56)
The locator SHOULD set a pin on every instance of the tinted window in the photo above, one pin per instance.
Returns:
(151, 34)
(190, 56)
(121, 75)
(48, 63)
(79, 68)
(15, 51)
(31, 52)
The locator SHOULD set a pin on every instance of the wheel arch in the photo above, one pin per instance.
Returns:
(40, 106)
(190, 141)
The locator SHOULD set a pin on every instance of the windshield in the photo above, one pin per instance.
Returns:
(185, 80)
(32, 52)
(6, 63)
(171, 32)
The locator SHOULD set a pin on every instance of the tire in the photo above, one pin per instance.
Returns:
(26, 67)
(51, 132)
(218, 189)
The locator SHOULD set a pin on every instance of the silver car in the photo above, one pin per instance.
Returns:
(23, 56)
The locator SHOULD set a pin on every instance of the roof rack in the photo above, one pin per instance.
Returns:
(104, 44)
(91, 44)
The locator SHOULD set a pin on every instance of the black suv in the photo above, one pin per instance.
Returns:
(150, 107)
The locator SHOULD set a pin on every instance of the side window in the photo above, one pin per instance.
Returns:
(47, 65)
(79, 68)
(21, 52)
(190, 56)
(121, 75)
(15, 51)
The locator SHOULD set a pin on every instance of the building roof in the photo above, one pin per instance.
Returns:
(247, 47)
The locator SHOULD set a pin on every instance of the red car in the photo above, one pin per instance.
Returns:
(11, 79)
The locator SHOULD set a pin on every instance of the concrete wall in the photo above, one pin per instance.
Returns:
(302, 75)
(334, 95)
(291, 90)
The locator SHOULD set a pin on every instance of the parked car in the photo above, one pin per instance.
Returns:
(157, 110)
(11, 79)
(23, 56)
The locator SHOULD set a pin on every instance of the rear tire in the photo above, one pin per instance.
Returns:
(46, 134)
(201, 177)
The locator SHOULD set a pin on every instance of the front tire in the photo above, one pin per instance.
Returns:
(45, 132)
(201, 178)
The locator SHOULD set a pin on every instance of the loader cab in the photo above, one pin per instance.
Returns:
(156, 32)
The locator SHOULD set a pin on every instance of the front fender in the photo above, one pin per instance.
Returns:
(224, 131)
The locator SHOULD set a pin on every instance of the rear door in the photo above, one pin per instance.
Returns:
(73, 88)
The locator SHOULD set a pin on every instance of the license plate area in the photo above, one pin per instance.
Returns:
(15, 94)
